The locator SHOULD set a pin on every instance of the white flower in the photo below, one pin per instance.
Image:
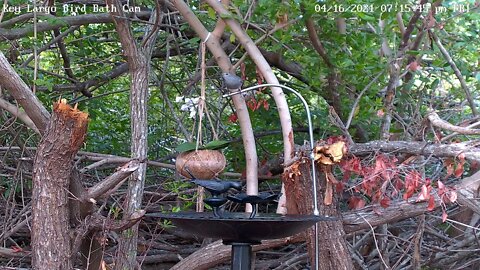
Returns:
(179, 99)
(190, 104)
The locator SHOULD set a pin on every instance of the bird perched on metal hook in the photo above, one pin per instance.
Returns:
(232, 81)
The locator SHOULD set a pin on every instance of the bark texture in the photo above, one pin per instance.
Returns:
(53, 165)
(333, 250)
(138, 58)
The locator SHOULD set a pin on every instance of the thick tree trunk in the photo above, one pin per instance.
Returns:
(53, 165)
(333, 250)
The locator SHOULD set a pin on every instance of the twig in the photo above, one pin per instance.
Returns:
(357, 100)
(375, 241)
(457, 72)
(335, 119)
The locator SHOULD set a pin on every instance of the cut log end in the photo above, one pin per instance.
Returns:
(80, 120)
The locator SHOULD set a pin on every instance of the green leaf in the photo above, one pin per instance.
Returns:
(232, 38)
(211, 13)
(226, 16)
(185, 147)
(217, 144)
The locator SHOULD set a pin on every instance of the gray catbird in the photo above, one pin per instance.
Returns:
(232, 81)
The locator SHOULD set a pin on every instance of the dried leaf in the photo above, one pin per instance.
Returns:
(459, 170)
(448, 163)
(385, 202)
(424, 193)
(431, 204)
(356, 202)
(336, 150)
(444, 216)
(328, 154)
(452, 196)
(328, 194)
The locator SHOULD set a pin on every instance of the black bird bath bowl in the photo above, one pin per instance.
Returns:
(240, 230)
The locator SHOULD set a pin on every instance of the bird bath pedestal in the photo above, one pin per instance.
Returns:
(240, 230)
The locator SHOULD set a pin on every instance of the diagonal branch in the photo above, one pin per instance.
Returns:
(439, 122)
(457, 72)
(10, 80)
(112, 182)
(15, 111)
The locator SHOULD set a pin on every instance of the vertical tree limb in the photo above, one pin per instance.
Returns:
(138, 58)
(226, 66)
(277, 93)
(51, 178)
(394, 71)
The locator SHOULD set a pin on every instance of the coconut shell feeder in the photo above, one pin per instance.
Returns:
(200, 164)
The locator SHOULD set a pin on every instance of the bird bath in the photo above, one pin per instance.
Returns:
(239, 230)
(242, 230)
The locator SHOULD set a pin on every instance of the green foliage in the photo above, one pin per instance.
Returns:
(212, 145)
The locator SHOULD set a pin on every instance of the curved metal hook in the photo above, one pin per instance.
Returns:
(312, 156)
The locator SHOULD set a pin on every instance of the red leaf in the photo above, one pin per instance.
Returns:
(398, 184)
(444, 216)
(16, 249)
(424, 194)
(413, 66)
(412, 182)
(351, 165)
(233, 118)
(385, 202)
(459, 170)
(266, 105)
(356, 202)
(339, 187)
(449, 165)
(431, 204)
(252, 104)
(409, 193)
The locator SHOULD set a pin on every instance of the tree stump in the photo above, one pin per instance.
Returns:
(65, 133)
(333, 250)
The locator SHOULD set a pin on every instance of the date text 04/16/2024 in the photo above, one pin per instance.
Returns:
(394, 7)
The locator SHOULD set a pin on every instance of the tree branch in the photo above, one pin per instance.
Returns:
(112, 182)
(438, 122)
(457, 72)
(20, 114)
(11, 34)
(10, 80)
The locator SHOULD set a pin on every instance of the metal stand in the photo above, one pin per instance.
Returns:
(241, 255)
(312, 156)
